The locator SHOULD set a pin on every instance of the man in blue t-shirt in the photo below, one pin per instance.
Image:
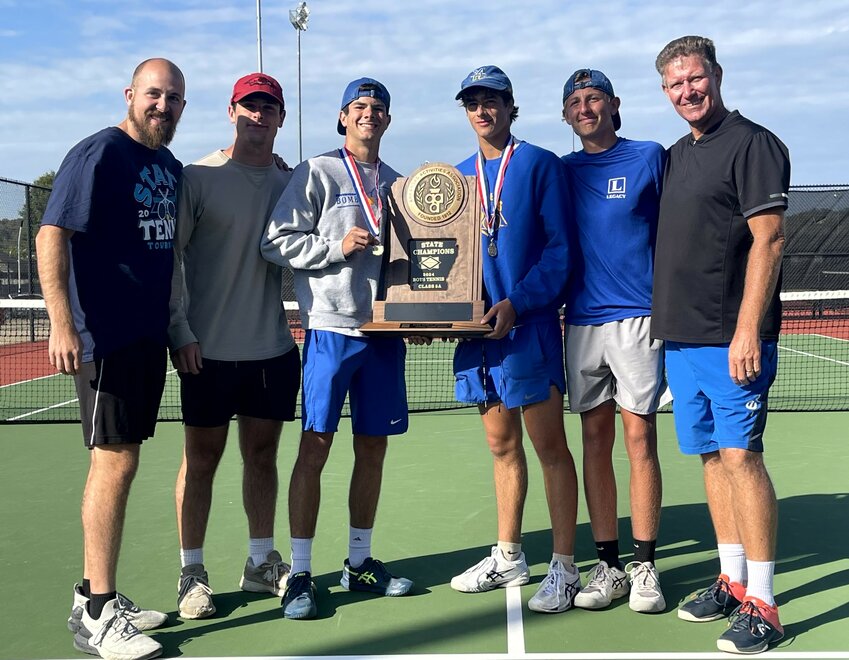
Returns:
(716, 305)
(610, 357)
(515, 373)
(105, 261)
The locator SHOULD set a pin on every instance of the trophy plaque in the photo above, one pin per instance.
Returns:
(432, 285)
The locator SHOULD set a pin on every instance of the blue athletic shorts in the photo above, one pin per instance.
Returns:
(370, 370)
(517, 370)
(710, 410)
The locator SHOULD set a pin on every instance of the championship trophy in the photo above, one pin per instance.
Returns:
(432, 284)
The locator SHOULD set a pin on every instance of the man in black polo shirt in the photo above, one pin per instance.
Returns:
(716, 304)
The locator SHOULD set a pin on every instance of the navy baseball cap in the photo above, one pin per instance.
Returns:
(583, 78)
(354, 91)
(486, 76)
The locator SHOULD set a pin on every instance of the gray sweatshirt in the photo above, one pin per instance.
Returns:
(316, 211)
(225, 296)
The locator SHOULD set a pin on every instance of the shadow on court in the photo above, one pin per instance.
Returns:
(690, 566)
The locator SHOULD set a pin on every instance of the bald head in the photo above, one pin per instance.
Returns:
(159, 64)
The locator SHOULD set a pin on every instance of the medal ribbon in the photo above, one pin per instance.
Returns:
(483, 186)
(371, 216)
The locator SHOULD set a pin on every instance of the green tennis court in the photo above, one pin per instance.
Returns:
(435, 519)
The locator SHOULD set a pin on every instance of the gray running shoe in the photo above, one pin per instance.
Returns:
(113, 636)
(194, 595)
(141, 619)
(269, 577)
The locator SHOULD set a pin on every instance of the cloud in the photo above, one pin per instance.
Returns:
(784, 62)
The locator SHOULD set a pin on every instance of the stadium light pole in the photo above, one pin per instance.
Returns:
(299, 17)
(259, 35)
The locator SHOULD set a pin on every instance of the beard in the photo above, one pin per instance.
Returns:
(157, 136)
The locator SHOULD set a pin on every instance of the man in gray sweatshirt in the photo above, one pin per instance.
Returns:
(329, 228)
(230, 341)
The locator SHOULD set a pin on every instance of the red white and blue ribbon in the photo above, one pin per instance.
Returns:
(491, 213)
(372, 212)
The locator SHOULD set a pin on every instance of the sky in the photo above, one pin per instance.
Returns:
(64, 65)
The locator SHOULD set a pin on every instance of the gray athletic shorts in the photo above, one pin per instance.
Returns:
(616, 360)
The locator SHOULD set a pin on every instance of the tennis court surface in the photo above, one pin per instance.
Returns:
(436, 518)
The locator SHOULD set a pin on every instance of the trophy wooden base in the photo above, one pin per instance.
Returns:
(428, 319)
(448, 330)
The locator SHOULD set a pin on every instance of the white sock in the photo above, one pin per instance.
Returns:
(732, 561)
(301, 556)
(510, 551)
(359, 546)
(760, 580)
(258, 549)
(567, 560)
(191, 556)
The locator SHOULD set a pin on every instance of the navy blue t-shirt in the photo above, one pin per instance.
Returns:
(119, 197)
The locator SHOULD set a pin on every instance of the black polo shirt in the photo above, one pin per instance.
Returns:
(711, 186)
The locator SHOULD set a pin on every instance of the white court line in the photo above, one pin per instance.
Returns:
(40, 410)
(29, 380)
(515, 626)
(778, 655)
(813, 355)
(828, 337)
(55, 405)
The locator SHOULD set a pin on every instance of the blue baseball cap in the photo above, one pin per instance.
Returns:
(486, 76)
(583, 78)
(354, 91)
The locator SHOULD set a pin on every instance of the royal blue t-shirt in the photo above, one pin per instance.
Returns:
(617, 200)
(119, 197)
(533, 258)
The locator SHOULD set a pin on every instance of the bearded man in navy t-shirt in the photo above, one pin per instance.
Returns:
(105, 259)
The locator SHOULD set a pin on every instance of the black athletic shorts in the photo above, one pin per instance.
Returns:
(266, 389)
(120, 393)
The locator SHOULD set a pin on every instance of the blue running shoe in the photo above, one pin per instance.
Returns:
(299, 599)
(752, 627)
(717, 601)
(373, 577)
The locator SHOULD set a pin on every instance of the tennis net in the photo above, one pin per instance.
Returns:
(813, 371)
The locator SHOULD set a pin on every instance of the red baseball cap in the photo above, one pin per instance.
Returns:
(254, 83)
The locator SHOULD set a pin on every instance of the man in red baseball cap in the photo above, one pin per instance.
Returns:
(224, 206)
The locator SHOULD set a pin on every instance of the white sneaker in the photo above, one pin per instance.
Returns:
(646, 595)
(492, 572)
(113, 637)
(557, 591)
(194, 595)
(604, 585)
(141, 619)
(269, 577)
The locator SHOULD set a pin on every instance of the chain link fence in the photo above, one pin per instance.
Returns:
(21, 208)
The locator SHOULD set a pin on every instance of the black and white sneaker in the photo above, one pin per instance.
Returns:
(491, 573)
